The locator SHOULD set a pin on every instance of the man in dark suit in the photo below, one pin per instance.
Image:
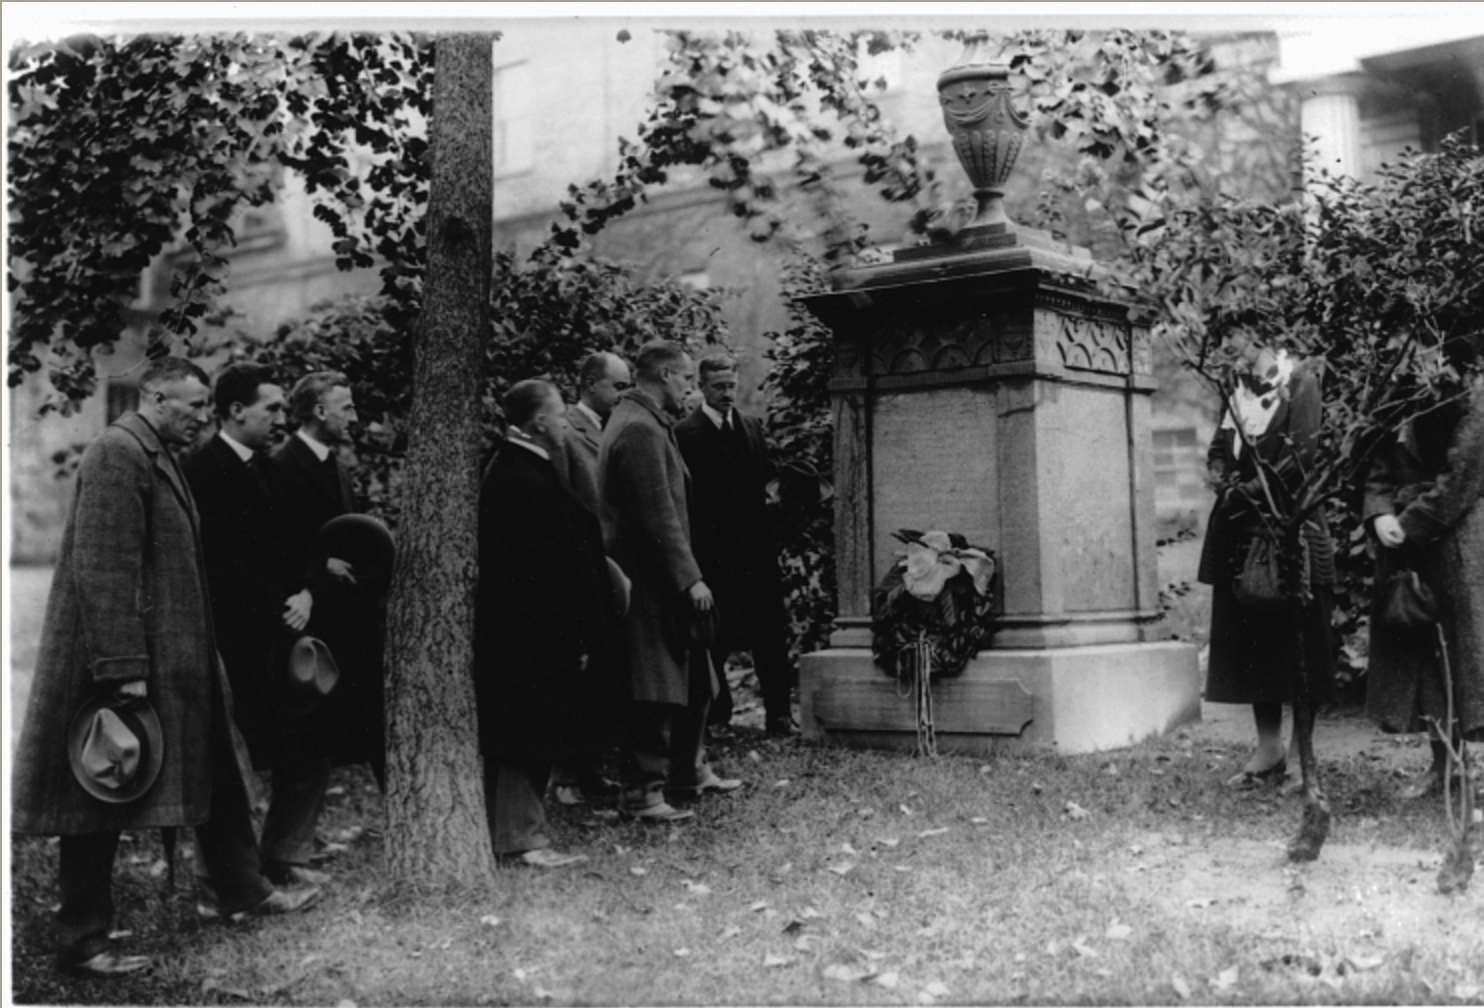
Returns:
(603, 377)
(316, 489)
(646, 521)
(541, 635)
(254, 609)
(735, 542)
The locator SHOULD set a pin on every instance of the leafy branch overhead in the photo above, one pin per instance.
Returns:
(124, 150)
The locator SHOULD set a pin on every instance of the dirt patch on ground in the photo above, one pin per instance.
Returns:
(1359, 901)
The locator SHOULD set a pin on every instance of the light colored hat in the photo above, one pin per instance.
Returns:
(312, 673)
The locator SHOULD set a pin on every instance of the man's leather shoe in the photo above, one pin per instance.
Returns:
(782, 727)
(710, 784)
(662, 812)
(567, 794)
(294, 875)
(109, 964)
(279, 901)
(543, 857)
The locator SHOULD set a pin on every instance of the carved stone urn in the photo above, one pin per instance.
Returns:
(986, 128)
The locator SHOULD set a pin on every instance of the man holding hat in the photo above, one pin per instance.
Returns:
(646, 521)
(127, 643)
(541, 623)
(256, 614)
(348, 614)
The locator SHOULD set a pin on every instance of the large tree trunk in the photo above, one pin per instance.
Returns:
(436, 827)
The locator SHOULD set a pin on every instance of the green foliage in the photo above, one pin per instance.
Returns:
(1367, 280)
(121, 150)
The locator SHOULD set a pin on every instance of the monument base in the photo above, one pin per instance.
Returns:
(1071, 700)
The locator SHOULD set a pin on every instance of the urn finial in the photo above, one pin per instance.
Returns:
(986, 128)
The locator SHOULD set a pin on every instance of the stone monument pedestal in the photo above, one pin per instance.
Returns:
(986, 388)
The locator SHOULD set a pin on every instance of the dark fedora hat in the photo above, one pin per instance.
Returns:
(312, 673)
(366, 544)
(115, 746)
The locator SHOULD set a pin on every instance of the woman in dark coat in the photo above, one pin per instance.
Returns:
(1424, 504)
(1254, 656)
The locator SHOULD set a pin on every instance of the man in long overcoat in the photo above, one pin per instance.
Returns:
(128, 614)
(316, 489)
(735, 541)
(646, 521)
(541, 614)
(603, 377)
(255, 608)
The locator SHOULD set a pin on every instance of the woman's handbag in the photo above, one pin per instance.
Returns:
(1259, 584)
(1407, 603)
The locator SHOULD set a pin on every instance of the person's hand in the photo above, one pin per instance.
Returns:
(1389, 531)
(700, 597)
(340, 570)
(137, 688)
(297, 609)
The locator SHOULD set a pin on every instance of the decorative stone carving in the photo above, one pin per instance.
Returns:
(987, 130)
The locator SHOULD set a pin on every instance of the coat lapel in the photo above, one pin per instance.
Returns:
(164, 463)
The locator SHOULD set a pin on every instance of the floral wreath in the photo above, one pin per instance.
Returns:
(930, 614)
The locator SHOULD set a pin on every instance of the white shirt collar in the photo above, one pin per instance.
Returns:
(590, 413)
(243, 451)
(717, 418)
(321, 451)
(528, 444)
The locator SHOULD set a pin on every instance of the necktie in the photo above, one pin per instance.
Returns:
(255, 465)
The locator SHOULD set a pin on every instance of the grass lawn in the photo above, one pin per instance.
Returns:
(842, 877)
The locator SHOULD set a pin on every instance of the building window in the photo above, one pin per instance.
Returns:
(514, 129)
(1180, 496)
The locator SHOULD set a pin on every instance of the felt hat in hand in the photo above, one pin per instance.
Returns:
(364, 543)
(115, 746)
(619, 587)
(312, 673)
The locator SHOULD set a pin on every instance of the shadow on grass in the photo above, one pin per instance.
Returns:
(835, 877)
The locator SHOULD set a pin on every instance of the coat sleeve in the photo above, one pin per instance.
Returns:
(1458, 488)
(110, 536)
(646, 505)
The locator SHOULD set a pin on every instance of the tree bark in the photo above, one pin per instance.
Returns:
(436, 827)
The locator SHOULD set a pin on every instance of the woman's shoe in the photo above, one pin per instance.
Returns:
(1252, 778)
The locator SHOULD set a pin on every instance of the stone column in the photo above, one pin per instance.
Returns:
(1330, 114)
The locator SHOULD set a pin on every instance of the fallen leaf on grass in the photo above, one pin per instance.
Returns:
(759, 906)
(697, 888)
(932, 832)
(809, 913)
(542, 994)
(335, 791)
(681, 953)
(638, 870)
(1083, 949)
(522, 974)
(1075, 811)
(793, 927)
(1200, 902)
(1181, 987)
(978, 820)
(842, 868)
(1362, 963)
(1466, 992)
(847, 849)
(888, 841)
(771, 961)
(986, 769)
(847, 974)
(887, 980)
(901, 868)
(781, 783)
(752, 755)
(119, 935)
(936, 988)
(1118, 932)
(804, 943)
(730, 933)
(1226, 979)
(865, 920)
